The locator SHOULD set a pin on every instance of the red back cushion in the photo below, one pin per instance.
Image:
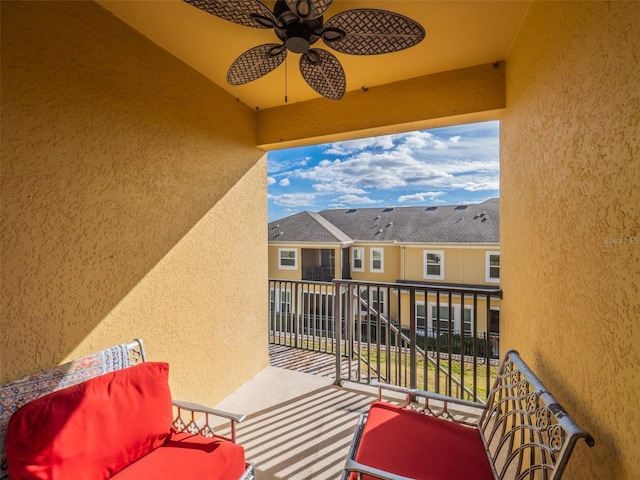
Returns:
(94, 429)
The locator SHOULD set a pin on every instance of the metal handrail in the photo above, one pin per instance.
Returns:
(312, 315)
(403, 337)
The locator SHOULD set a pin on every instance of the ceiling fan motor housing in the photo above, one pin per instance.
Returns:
(297, 34)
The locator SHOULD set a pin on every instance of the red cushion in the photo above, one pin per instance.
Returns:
(189, 456)
(422, 447)
(94, 429)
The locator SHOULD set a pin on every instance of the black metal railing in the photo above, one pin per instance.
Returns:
(318, 273)
(420, 336)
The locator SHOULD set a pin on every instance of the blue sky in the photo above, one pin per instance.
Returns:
(441, 166)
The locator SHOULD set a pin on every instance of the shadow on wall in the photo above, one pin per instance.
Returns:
(112, 151)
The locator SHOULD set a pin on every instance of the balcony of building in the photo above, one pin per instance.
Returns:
(134, 190)
(318, 265)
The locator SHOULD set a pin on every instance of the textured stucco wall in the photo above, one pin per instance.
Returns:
(570, 220)
(468, 95)
(133, 204)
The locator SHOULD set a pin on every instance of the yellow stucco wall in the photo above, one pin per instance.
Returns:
(466, 95)
(133, 204)
(282, 273)
(570, 220)
(461, 264)
(391, 263)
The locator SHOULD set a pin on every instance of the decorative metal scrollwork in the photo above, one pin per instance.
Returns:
(179, 425)
(135, 356)
(542, 418)
(556, 438)
(532, 402)
(515, 377)
(193, 428)
(508, 366)
(523, 388)
(207, 432)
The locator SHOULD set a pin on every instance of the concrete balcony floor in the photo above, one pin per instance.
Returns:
(299, 424)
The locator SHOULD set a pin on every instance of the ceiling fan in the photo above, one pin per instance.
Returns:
(299, 24)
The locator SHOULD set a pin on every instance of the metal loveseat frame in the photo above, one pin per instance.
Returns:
(524, 431)
(192, 417)
(187, 419)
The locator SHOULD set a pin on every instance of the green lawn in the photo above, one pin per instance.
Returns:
(394, 369)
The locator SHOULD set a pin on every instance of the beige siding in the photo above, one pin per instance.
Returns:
(392, 266)
(465, 265)
(274, 264)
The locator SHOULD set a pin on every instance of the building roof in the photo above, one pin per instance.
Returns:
(306, 227)
(474, 223)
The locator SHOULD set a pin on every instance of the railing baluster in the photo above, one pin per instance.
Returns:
(335, 317)
(413, 377)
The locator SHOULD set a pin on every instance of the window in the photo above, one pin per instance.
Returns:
(284, 305)
(493, 267)
(468, 321)
(420, 317)
(434, 264)
(288, 259)
(377, 302)
(440, 320)
(285, 301)
(377, 260)
(357, 259)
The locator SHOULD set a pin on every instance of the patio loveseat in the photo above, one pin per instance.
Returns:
(121, 424)
(521, 432)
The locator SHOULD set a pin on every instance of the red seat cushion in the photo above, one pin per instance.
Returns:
(94, 429)
(422, 447)
(189, 456)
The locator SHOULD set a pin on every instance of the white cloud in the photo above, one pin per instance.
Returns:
(355, 200)
(293, 199)
(285, 182)
(475, 183)
(420, 197)
(337, 187)
(271, 180)
(419, 164)
(384, 142)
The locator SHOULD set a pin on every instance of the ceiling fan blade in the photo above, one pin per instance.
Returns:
(323, 72)
(371, 32)
(255, 63)
(251, 13)
(309, 9)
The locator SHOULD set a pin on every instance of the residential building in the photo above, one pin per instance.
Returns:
(436, 246)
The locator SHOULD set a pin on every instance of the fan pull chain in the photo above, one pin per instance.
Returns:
(285, 79)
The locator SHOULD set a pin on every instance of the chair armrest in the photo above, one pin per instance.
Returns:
(196, 407)
(202, 426)
(449, 407)
(353, 466)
